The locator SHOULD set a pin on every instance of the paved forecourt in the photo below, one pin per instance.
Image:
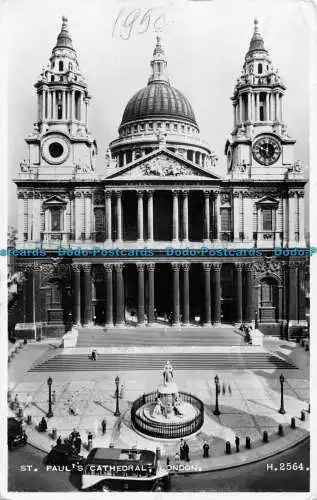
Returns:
(249, 399)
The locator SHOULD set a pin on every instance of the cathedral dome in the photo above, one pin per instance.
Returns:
(158, 99)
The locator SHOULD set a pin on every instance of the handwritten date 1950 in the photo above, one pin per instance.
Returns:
(138, 21)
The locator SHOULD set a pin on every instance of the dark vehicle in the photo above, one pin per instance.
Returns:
(115, 469)
(16, 434)
(65, 454)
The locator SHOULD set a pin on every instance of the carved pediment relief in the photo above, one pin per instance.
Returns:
(54, 200)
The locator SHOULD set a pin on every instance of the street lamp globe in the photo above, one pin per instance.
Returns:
(117, 380)
(282, 378)
(49, 381)
(216, 380)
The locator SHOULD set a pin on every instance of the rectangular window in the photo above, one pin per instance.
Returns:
(267, 214)
(55, 219)
(225, 215)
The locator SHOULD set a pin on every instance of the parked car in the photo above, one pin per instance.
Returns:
(16, 434)
(64, 454)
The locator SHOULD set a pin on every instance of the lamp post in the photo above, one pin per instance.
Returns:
(216, 410)
(49, 383)
(282, 409)
(117, 412)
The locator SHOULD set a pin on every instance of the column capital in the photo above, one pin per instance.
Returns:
(206, 193)
(206, 266)
(119, 267)
(87, 194)
(140, 266)
(175, 266)
(86, 268)
(108, 268)
(238, 266)
(186, 266)
(175, 192)
(140, 193)
(216, 266)
(37, 268)
(118, 193)
(149, 192)
(108, 194)
(76, 268)
(150, 266)
(248, 266)
(185, 193)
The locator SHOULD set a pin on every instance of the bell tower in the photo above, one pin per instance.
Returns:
(61, 144)
(260, 146)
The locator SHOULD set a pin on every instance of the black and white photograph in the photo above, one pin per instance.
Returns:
(158, 247)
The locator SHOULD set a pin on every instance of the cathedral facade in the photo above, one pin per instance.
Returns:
(159, 192)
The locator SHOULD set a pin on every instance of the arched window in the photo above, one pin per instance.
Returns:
(52, 78)
(260, 68)
(60, 66)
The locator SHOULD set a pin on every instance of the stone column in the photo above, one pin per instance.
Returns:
(292, 293)
(238, 291)
(140, 268)
(119, 295)
(249, 107)
(291, 218)
(240, 109)
(301, 221)
(217, 293)
(207, 217)
(28, 295)
(185, 217)
(76, 294)
(301, 292)
(88, 203)
(78, 213)
(119, 215)
(140, 216)
(236, 216)
(64, 105)
(20, 216)
(186, 313)
(278, 110)
(108, 217)
(175, 217)
(150, 268)
(206, 268)
(248, 314)
(150, 216)
(109, 295)
(257, 107)
(175, 267)
(216, 215)
(267, 108)
(87, 294)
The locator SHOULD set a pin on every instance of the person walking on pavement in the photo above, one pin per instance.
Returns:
(206, 450)
(90, 436)
(59, 441)
(229, 389)
(181, 450)
(94, 354)
(104, 426)
(186, 451)
(77, 444)
(223, 389)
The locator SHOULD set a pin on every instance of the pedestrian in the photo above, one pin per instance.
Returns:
(121, 392)
(53, 397)
(59, 441)
(206, 450)
(77, 444)
(155, 314)
(237, 441)
(181, 450)
(223, 389)
(104, 426)
(186, 451)
(90, 436)
(229, 389)
(28, 400)
(43, 425)
(177, 458)
(94, 354)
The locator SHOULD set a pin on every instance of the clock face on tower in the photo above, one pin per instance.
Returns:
(266, 150)
(55, 149)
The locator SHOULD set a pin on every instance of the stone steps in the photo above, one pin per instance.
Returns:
(155, 361)
(164, 337)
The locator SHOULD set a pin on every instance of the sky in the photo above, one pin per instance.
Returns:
(205, 43)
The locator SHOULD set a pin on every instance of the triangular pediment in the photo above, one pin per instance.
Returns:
(55, 200)
(268, 200)
(161, 163)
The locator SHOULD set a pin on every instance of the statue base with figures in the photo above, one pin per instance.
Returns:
(167, 413)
